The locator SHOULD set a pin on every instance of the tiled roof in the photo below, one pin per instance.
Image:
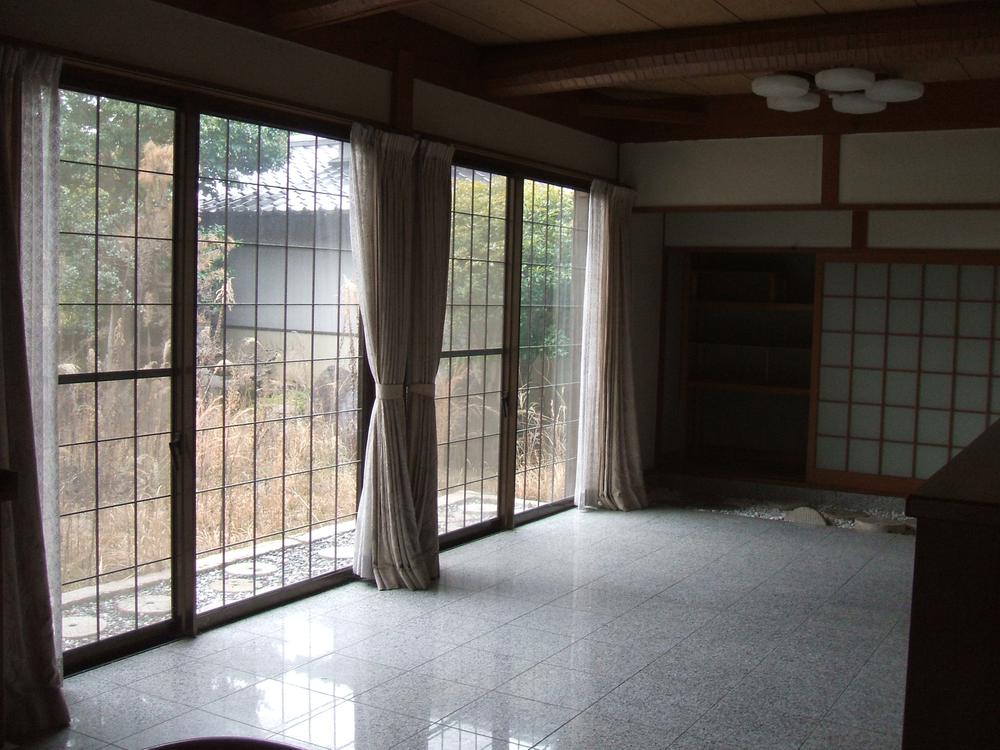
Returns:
(307, 156)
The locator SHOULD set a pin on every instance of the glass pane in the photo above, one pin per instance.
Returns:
(115, 305)
(476, 279)
(278, 342)
(550, 340)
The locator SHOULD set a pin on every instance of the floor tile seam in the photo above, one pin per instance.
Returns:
(403, 633)
(88, 736)
(257, 680)
(605, 695)
(871, 657)
(137, 658)
(854, 727)
(187, 711)
(382, 664)
(331, 702)
(843, 691)
(359, 699)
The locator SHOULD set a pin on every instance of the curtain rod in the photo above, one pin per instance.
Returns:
(186, 85)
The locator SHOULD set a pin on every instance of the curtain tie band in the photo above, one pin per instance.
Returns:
(421, 389)
(388, 391)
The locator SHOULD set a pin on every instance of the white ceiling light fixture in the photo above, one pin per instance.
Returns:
(794, 103)
(856, 104)
(852, 91)
(780, 85)
(844, 79)
(895, 90)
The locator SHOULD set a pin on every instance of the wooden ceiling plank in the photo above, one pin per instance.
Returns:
(850, 6)
(333, 12)
(876, 38)
(680, 13)
(754, 10)
(595, 16)
(458, 24)
(514, 17)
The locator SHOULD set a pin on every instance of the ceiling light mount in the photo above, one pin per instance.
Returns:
(852, 90)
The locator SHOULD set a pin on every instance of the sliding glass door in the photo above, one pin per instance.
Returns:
(247, 347)
(115, 362)
(278, 361)
(553, 261)
(469, 376)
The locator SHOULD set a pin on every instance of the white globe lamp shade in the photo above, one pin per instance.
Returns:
(895, 90)
(793, 103)
(856, 104)
(844, 79)
(780, 84)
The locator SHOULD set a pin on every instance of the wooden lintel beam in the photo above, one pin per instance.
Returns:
(873, 38)
(334, 12)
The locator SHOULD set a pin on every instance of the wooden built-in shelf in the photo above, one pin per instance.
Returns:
(722, 385)
(709, 304)
(748, 353)
(733, 463)
(744, 345)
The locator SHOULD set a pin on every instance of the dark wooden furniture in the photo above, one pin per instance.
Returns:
(953, 677)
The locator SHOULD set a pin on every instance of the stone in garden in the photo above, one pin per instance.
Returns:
(805, 516)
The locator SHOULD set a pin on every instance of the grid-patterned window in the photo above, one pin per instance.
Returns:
(910, 372)
(553, 262)
(114, 357)
(278, 361)
(468, 380)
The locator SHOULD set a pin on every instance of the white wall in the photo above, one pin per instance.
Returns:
(167, 40)
(746, 171)
(160, 38)
(757, 228)
(937, 230)
(958, 166)
(466, 119)
(947, 166)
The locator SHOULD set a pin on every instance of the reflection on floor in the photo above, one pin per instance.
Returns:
(661, 628)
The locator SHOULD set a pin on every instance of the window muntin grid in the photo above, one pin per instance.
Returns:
(909, 367)
(468, 395)
(278, 361)
(115, 262)
(553, 260)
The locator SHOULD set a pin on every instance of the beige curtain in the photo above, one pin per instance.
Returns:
(609, 464)
(31, 696)
(387, 545)
(430, 292)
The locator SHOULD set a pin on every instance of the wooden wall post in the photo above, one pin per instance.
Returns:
(401, 108)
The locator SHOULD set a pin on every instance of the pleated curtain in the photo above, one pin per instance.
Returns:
(429, 297)
(609, 464)
(400, 229)
(31, 695)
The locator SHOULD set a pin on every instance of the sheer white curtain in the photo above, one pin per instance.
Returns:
(609, 465)
(387, 547)
(29, 160)
(430, 292)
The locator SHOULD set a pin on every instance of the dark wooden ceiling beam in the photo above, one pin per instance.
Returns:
(874, 39)
(333, 12)
(945, 106)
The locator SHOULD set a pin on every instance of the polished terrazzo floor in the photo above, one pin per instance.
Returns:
(663, 628)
